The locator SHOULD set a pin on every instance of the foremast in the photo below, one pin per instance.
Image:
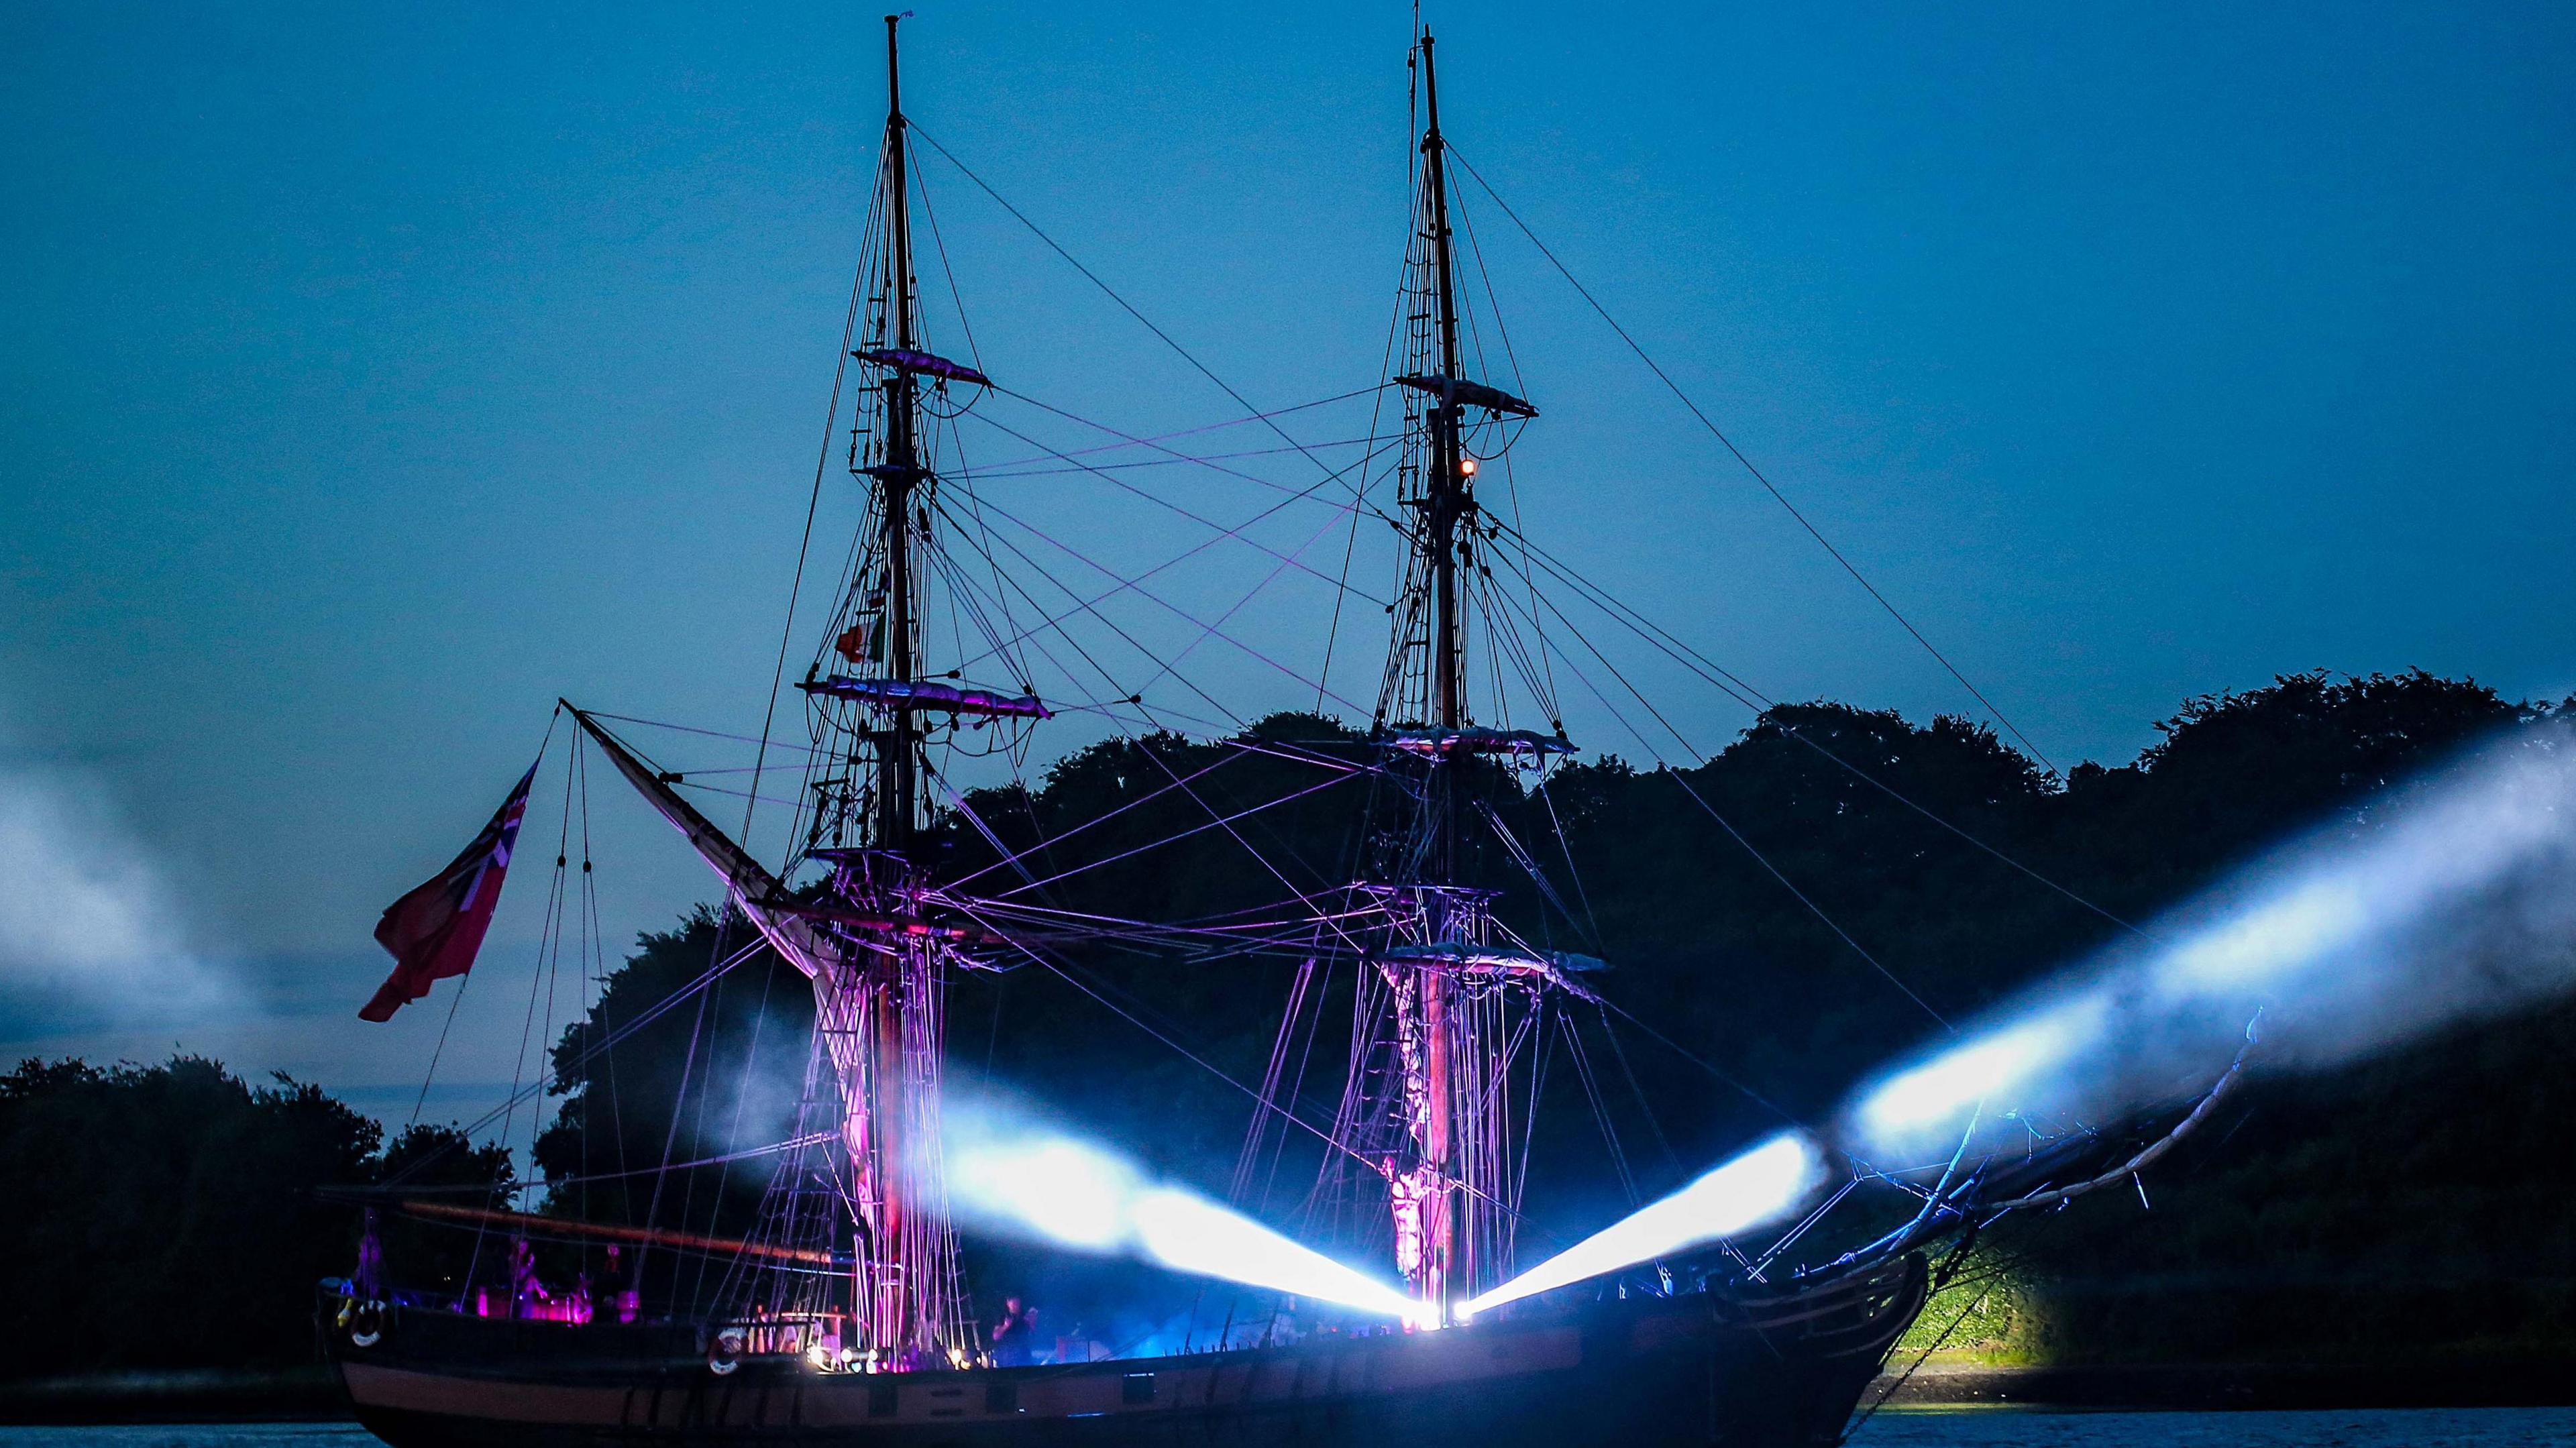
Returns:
(883, 1018)
(876, 936)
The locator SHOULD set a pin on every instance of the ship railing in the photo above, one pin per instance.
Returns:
(786, 1334)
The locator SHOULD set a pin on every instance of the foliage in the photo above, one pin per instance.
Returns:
(165, 1215)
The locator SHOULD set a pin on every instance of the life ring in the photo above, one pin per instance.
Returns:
(726, 1355)
(364, 1322)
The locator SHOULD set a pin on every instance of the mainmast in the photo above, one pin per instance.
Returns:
(1451, 499)
(1446, 981)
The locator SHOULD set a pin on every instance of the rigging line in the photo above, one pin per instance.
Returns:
(1066, 974)
(1013, 858)
(1236, 532)
(1645, 1105)
(1123, 304)
(804, 548)
(1600, 1107)
(1723, 823)
(1029, 469)
(458, 998)
(1505, 644)
(1124, 636)
(1812, 907)
(1150, 596)
(671, 1134)
(1687, 1054)
(1125, 441)
(737, 793)
(1227, 926)
(1115, 721)
(793, 1143)
(1512, 489)
(1493, 304)
(550, 934)
(642, 1019)
(710, 733)
(1151, 717)
(453, 1001)
(1173, 562)
(939, 243)
(1757, 474)
(1245, 602)
(1149, 754)
(1218, 822)
(963, 591)
(1521, 856)
(1359, 491)
(1010, 653)
(1247, 1160)
(594, 952)
(1565, 847)
(1760, 704)
(1690, 659)
(1303, 897)
(940, 778)
(1358, 497)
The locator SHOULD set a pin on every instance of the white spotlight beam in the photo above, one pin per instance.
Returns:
(1758, 1187)
(1056, 1189)
(2453, 900)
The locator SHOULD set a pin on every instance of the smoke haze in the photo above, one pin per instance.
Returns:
(87, 916)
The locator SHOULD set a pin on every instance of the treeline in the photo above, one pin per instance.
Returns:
(169, 1216)
(2409, 1205)
(2397, 1207)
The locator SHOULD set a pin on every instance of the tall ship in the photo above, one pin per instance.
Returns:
(1426, 1313)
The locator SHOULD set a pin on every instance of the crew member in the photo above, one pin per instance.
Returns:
(1013, 1334)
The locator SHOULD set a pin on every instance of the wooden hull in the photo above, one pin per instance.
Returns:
(1784, 1368)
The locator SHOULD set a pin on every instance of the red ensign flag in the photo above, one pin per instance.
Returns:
(434, 931)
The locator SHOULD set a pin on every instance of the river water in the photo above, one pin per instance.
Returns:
(1893, 1428)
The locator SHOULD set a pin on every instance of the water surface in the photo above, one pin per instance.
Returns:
(1973, 1427)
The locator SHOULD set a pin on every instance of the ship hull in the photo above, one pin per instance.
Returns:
(1784, 1368)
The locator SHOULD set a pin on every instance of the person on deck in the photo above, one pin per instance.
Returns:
(371, 1260)
(528, 1295)
(616, 1291)
(1013, 1334)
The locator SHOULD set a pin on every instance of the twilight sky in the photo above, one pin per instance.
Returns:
(374, 375)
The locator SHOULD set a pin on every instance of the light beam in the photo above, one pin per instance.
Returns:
(1752, 1190)
(2442, 901)
(1052, 1187)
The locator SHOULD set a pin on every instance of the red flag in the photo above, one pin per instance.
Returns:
(434, 931)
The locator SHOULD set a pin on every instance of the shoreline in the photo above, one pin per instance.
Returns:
(308, 1394)
(312, 1393)
(2539, 1382)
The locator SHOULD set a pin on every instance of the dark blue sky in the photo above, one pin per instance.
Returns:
(374, 376)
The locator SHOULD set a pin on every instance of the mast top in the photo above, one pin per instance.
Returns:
(894, 76)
